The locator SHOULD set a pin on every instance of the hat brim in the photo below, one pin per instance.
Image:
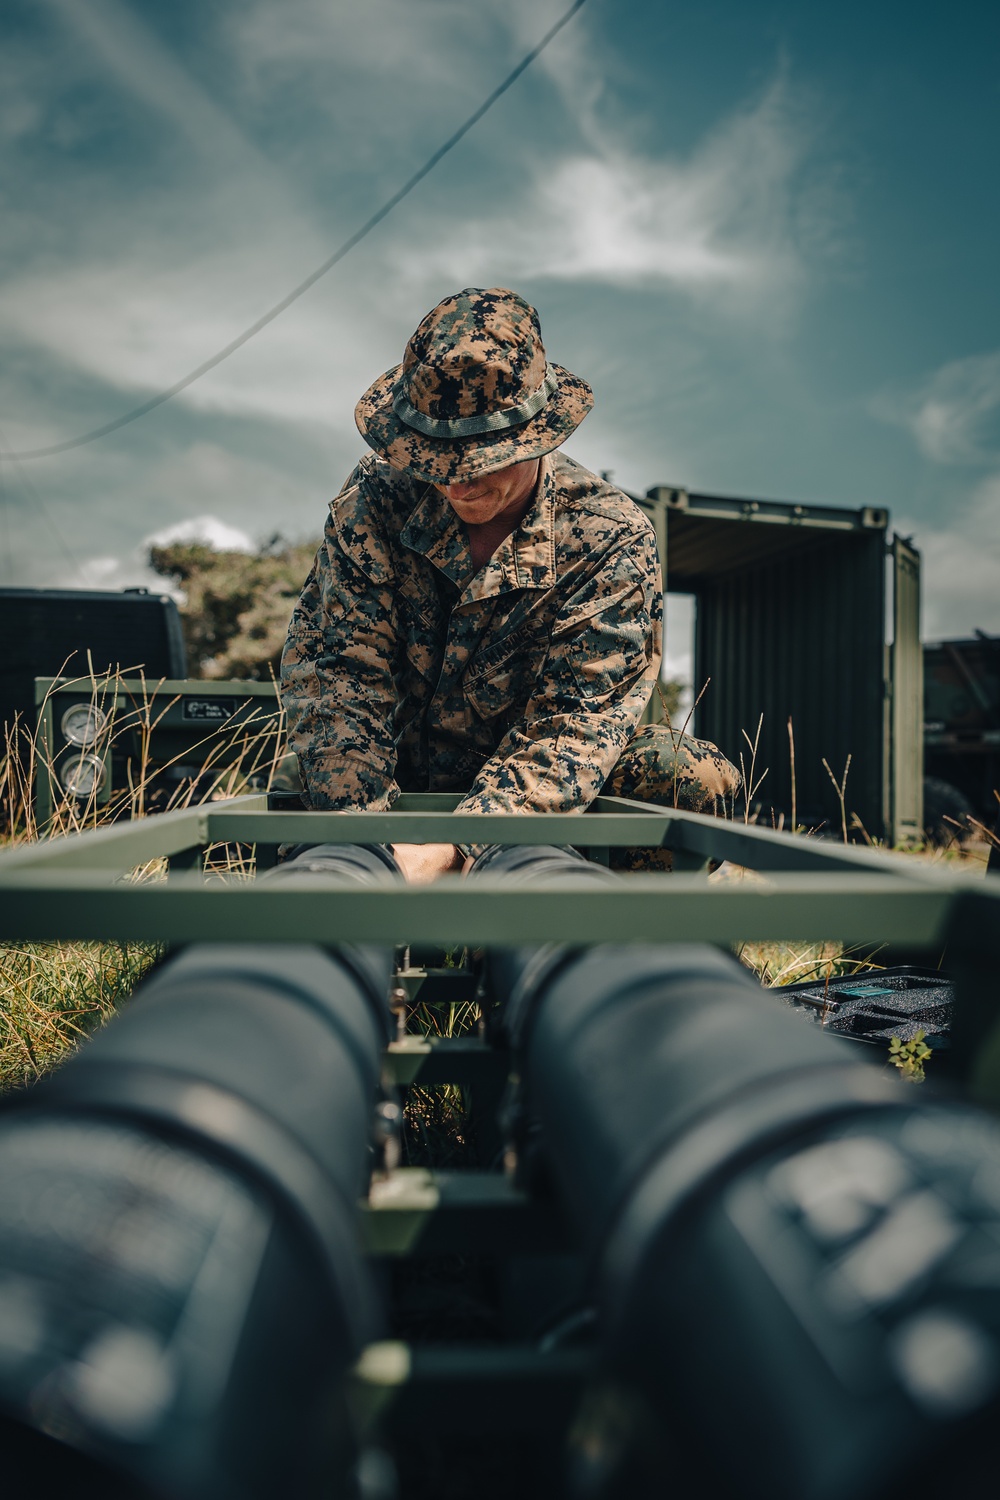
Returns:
(454, 460)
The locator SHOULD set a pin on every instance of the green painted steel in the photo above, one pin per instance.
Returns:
(428, 1060)
(416, 1211)
(72, 888)
(905, 700)
(613, 823)
(71, 905)
(471, 1389)
(120, 847)
(790, 622)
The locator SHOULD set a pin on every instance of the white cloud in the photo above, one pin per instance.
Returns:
(384, 39)
(142, 65)
(100, 573)
(952, 418)
(108, 572)
(133, 570)
(951, 414)
(216, 534)
(139, 326)
(961, 565)
(722, 226)
(319, 112)
(727, 222)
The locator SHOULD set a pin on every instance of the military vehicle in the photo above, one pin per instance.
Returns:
(962, 733)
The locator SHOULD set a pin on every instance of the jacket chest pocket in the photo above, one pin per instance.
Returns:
(420, 611)
(499, 680)
(422, 630)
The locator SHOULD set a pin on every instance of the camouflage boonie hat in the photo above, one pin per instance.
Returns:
(474, 392)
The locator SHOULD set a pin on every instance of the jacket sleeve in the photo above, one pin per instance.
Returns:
(337, 667)
(587, 700)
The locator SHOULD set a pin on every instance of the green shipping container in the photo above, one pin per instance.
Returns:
(810, 615)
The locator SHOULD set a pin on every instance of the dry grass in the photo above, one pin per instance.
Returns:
(778, 964)
(53, 995)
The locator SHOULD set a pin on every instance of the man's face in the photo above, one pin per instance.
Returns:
(493, 496)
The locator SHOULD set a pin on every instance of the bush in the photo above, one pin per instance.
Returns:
(236, 605)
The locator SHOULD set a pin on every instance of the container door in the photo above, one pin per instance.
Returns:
(906, 698)
(801, 639)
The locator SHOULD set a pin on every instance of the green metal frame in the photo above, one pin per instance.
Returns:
(807, 889)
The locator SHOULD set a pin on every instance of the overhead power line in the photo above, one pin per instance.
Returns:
(328, 265)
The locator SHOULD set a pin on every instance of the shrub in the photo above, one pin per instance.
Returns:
(236, 606)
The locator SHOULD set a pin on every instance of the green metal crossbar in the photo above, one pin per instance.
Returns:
(477, 1390)
(413, 1210)
(808, 889)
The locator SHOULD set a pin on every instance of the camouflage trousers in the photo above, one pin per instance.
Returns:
(669, 769)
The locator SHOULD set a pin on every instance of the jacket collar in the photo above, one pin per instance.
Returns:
(524, 560)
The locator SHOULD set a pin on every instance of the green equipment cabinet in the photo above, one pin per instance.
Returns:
(150, 744)
(793, 607)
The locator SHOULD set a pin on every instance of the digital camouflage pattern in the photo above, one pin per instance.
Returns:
(474, 392)
(520, 685)
(671, 769)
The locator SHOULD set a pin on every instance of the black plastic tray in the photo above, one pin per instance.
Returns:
(874, 1007)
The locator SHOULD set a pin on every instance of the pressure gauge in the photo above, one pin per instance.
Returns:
(83, 724)
(82, 775)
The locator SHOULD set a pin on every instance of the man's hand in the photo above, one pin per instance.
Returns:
(421, 863)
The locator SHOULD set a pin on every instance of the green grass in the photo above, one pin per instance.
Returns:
(53, 995)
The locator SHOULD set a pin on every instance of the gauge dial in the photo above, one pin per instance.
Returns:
(83, 724)
(82, 775)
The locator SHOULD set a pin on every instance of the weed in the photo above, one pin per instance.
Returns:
(910, 1057)
(677, 736)
(777, 964)
(751, 782)
(840, 787)
(791, 762)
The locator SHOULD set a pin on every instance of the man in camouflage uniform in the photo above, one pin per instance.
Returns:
(483, 615)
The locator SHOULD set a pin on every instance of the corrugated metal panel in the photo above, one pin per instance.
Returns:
(800, 639)
(790, 625)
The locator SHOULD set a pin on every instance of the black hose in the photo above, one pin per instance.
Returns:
(181, 1283)
(796, 1260)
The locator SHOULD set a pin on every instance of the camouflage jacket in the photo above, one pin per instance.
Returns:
(519, 685)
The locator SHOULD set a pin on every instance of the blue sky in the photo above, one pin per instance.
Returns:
(768, 234)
